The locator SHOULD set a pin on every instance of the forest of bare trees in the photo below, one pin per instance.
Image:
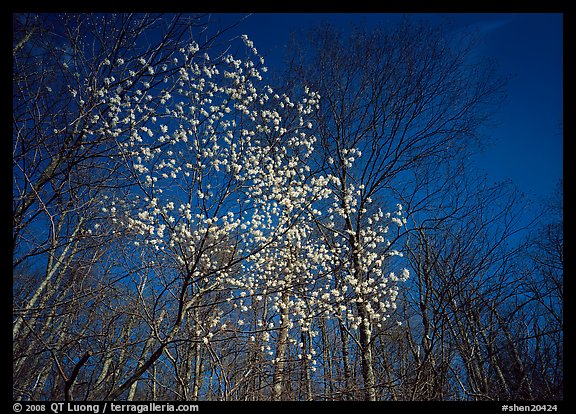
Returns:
(188, 226)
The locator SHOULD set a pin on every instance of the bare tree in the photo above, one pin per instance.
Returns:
(392, 102)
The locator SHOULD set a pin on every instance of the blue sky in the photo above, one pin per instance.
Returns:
(527, 131)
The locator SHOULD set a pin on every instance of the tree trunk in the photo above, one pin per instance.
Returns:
(196, 382)
(328, 381)
(366, 353)
(306, 369)
(142, 361)
(281, 352)
(345, 361)
(54, 264)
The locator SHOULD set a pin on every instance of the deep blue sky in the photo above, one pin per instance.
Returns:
(528, 132)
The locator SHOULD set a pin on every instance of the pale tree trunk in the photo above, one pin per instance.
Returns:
(54, 323)
(186, 369)
(366, 353)
(54, 264)
(47, 368)
(494, 362)
(151, 360)
(281, 352)
(345, 361)
(196, 382)
(306, 368)
(517, 359)
(328, 380)
(154, 386)
(141, 362)
(259, 379)
(104, 374)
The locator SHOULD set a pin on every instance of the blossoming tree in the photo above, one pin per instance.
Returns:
(212, 219)
(223, 199)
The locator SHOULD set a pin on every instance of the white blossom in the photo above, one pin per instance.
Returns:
(215, 189)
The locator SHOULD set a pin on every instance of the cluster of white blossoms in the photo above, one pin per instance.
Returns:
(220, 167)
